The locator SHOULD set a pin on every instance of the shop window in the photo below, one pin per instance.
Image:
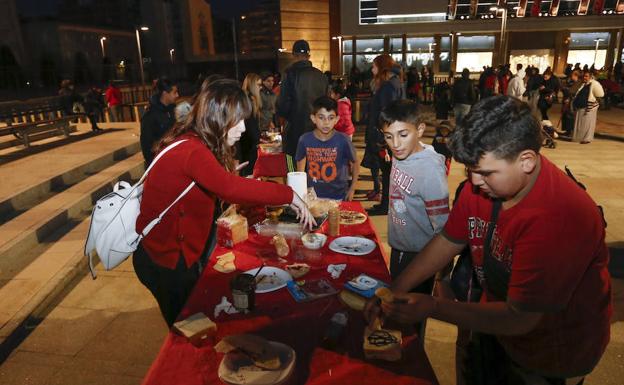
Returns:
(347, 63)
(474, 61)
(589, 57)
(445, 61)
(396, 44)
(364, 62)
(540, 58)
(470, 43)
(419, 44)
(588, 40)
(445, 43)
(369, 45)
(347, 46)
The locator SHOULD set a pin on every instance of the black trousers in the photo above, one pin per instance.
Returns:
(399, 261)
(171, 288)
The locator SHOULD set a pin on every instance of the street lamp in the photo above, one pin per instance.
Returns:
(171, 51)
(102, 44)
(596, 49)
(138, 39)
(502, 53)
(452, 35)
(339, 38)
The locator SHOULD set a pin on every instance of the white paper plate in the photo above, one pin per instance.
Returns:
(352, 245)
(274, 279)
(251, 375)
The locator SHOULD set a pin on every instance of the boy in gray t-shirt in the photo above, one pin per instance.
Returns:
(418, 187)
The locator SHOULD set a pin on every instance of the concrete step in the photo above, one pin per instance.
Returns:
(29, 229)
(47, 174)
(26, 298)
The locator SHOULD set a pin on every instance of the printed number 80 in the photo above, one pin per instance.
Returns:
(317, 172)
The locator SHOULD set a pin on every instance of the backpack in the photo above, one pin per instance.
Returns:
(112, 234)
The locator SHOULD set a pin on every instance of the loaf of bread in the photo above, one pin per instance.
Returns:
(281, 246)
(196, 328)
(231, 230)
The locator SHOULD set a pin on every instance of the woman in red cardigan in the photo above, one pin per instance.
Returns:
(170, 258)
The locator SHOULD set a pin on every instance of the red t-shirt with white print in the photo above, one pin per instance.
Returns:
(553, 244)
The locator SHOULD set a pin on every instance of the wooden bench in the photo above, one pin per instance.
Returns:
(24, 131)
(25, 119)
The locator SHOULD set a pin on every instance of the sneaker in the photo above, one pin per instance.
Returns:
(377, 210)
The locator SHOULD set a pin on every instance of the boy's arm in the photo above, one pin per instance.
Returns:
(301, 163)
(355, 173)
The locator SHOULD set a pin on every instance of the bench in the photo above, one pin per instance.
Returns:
(24, 131)
(25, 119)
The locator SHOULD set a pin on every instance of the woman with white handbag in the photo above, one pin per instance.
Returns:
(169, 259)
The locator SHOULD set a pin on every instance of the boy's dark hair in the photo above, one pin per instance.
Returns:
(502, 125)
(401, 110)
(325, 102)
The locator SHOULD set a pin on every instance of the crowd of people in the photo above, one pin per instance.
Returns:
(530, 309)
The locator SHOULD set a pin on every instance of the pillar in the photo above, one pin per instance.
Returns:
(562, 46)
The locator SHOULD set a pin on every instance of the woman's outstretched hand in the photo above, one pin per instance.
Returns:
(303, 213)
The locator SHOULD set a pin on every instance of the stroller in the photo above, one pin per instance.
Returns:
(549, 134)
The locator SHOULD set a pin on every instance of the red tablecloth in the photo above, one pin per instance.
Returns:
(270, 165)
(300, 325)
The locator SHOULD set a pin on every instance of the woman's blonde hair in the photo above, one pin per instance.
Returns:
(218, 107)
(252, 89)
(384, 65)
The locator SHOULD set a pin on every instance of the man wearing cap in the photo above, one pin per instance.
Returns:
(301, 86)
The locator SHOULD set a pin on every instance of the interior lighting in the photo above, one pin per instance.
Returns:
(144, 29)
(243, 17)
(462, 17)
(433, 14)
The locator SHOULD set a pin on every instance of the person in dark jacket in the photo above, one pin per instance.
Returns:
(70, 99)
(302, 84)
(94, 105)
(159, 117)
(376, 157)
(463, 95)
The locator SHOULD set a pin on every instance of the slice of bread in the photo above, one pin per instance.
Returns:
(354, 301)
(256, 347)
(382, 344)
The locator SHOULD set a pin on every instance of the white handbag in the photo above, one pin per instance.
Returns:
(112, 235)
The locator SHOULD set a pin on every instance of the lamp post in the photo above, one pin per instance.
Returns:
(452, 36)
(102, 45)
(171, 52)
(503, 8)
(138, 39)
(596, 50)
(339, 38)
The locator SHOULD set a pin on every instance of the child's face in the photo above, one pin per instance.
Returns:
(324, 120)
(403, 138)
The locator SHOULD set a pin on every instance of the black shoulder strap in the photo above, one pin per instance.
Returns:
(496, 277)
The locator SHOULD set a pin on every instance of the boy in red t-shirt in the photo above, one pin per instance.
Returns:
(344, 124)
(542, 261)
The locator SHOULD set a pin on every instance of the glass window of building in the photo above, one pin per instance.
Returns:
(471, 43)
(419, 44)
(396, 44)
(347, 46)
(347, 63)
(474, 52)
(369, 45)
(474, 61)
(588, 48)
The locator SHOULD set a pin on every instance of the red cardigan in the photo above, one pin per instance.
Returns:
(185, 228)
(344, 125)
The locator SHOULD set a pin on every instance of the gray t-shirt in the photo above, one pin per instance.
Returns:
(419, 204)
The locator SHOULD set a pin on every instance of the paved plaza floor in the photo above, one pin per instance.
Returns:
(108, 331)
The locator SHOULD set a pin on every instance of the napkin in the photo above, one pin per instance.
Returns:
(336, 270)
(225, 306)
